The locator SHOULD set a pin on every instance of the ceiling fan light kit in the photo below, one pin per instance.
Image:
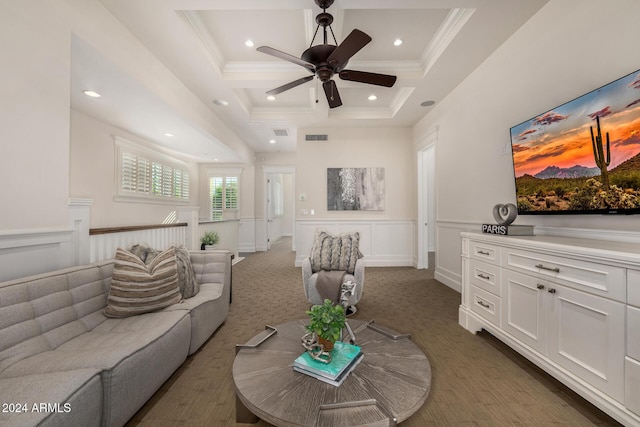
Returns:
(325, 60)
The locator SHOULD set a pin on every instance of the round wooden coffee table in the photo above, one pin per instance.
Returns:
(390, 384)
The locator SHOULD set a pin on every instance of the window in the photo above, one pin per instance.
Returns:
(223, 194)
(145, 175)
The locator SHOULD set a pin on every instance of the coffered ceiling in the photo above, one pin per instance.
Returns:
(202, 42)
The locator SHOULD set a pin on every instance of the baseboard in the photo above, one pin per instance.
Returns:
(449, 279)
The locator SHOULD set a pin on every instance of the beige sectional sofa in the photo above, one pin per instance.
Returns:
(64, 363)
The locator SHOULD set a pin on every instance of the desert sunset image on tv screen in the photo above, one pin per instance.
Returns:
(583, 156)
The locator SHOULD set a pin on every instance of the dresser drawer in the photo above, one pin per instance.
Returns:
(485, 304)
(485, 276)
(485, 252)
(599, 279)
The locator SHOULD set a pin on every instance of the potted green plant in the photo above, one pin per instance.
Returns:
(209, 239)
(327, 321)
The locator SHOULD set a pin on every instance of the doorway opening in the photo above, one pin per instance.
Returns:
(427, 202)
(279, 205)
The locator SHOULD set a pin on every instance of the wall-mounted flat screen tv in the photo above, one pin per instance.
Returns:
(583, 156)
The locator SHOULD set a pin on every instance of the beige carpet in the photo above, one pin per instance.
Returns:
(477, 381)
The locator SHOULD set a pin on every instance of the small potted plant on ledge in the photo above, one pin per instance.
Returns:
(209, 240)
(326, 321)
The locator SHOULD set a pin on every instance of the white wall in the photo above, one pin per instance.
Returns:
(92, 175)
(34, 114)
(39, 213)
(388, 235)
(568, 48)
(389, 148)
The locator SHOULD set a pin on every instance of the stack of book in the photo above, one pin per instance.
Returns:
(344, 358)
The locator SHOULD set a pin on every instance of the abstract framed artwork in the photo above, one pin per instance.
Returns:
(355, 189)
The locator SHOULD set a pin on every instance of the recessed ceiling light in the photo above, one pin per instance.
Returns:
(372, 98)
(427, 103)
(168, 134)
(220, 102)
(397, 42)
(249, 43)
(92, 93)
(271, 98)
(272, 141)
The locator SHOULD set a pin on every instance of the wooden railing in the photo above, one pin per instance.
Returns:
(105, 241)
(109, 230)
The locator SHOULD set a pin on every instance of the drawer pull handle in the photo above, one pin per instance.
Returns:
(481, 252)
(540, 286)
(484, 304)
(544, 267)
(483, 276)
(551, 291)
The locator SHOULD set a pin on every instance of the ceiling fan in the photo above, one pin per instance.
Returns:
(325, 60)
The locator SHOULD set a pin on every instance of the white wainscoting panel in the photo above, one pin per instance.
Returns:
(448, 268)
(261, 234)
(624, 236)
(227, 233)
(247, 235)
(384, 243)
(79, 220)
(103, 246)
(28, 252)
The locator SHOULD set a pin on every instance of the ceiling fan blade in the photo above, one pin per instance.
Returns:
(331, 90)
(290, 85)
(370, 78)
(279, 54)
(355, 41)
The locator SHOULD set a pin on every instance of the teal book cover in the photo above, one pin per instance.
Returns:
(342, 355)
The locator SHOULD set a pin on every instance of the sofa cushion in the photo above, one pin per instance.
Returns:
(136, 355)
(186, 277)
(335, 253)
(208, 310)
(137, 288)
(69, 398)
(39, 313)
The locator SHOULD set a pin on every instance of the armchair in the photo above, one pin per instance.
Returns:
(309, 279)
(339, 253)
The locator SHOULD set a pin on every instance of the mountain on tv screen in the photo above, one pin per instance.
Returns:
(583, 156)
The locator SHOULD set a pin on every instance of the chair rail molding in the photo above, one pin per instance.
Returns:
(33, 251)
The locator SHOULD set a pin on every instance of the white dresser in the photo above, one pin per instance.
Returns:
(571, 306)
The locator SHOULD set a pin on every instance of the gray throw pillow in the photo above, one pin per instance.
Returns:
(187, 281)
